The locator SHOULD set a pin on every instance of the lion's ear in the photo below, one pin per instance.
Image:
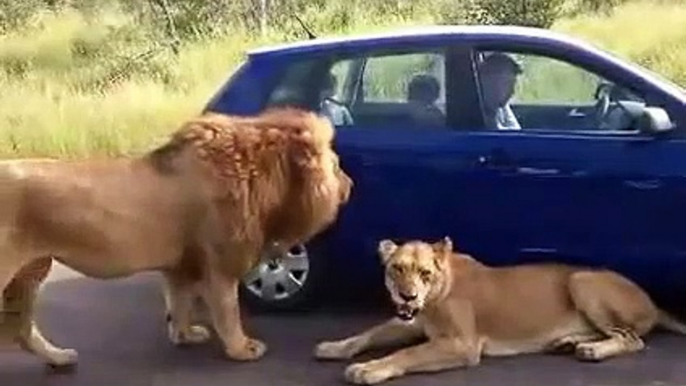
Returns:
(303, 149)
(386, 249)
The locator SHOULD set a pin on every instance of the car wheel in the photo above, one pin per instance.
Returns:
(285, 284)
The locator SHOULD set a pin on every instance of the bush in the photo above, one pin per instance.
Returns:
(15, 13)
(532, 13)
(595, 6)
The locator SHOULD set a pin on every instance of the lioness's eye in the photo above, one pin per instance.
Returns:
(426, 274)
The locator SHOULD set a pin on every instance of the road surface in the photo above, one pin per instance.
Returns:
(118, 329)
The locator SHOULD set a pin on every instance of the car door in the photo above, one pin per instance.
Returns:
(400, 149)
(415, 168)
(589, 188)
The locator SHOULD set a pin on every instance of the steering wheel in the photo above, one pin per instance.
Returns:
(602, 105)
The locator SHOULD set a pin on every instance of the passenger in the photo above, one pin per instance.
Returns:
(422, 93)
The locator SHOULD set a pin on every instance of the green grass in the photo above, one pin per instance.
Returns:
(70, 86)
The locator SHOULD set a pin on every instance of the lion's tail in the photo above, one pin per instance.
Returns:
(669, 322)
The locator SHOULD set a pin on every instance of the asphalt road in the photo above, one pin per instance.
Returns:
(118, 329)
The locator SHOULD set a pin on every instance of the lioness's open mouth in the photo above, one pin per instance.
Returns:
(406, 313)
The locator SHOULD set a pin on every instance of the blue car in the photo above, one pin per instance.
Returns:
(521, 144)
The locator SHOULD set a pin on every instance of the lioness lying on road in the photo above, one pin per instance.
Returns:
(200, 209)
(467, 309)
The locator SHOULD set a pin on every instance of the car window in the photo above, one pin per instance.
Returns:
(387, 78)
(373, 90)
(401, 90)
(532, 91)
(294, 85)
(341, 73)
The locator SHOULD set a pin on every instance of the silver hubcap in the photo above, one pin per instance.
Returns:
(279, 279)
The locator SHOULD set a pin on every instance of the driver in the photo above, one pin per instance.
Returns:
(498, 74)
(335, 111)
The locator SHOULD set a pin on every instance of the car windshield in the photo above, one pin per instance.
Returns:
(652, 74)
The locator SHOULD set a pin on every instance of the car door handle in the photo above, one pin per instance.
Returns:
(538, 171)
(643, 184)
(488, 163)
(497, 159)
(575, 113)
(501, 162)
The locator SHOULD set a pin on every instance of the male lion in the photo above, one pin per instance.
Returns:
(467, 309)
(200, 209)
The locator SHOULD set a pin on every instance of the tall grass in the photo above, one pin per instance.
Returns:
(650, 33)
(73, 85)
(70, 89)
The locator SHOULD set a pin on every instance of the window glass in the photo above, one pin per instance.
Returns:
(387, 78)
(395, 89)
(530, 91)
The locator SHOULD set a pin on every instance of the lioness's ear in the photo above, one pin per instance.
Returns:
(444, 247)
(386, 249)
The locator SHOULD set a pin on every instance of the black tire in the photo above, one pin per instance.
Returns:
(306, 299)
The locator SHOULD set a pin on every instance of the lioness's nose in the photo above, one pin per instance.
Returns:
(408, 297)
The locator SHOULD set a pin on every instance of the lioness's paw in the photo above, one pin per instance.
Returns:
(588, 352)
(342, 349)
(561, 346)
(63, 357)
(252, 350)
(369, 373)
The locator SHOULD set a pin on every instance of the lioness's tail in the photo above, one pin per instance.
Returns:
(669, 322)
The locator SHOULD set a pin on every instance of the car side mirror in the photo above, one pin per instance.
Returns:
(655, 120)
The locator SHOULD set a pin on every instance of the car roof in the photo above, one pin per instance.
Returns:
(425, 33)
(417, 33)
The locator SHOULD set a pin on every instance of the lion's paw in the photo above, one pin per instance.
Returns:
(252, 350)
(63, 358)
(196, 334)
(342, 349)
(369, 373)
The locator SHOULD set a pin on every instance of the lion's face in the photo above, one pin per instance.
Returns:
(414, 273)
(298, 186)
(336, 177)
(326, 186)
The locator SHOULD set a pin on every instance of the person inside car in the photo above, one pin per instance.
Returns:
(422, 93)
(498, 75)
